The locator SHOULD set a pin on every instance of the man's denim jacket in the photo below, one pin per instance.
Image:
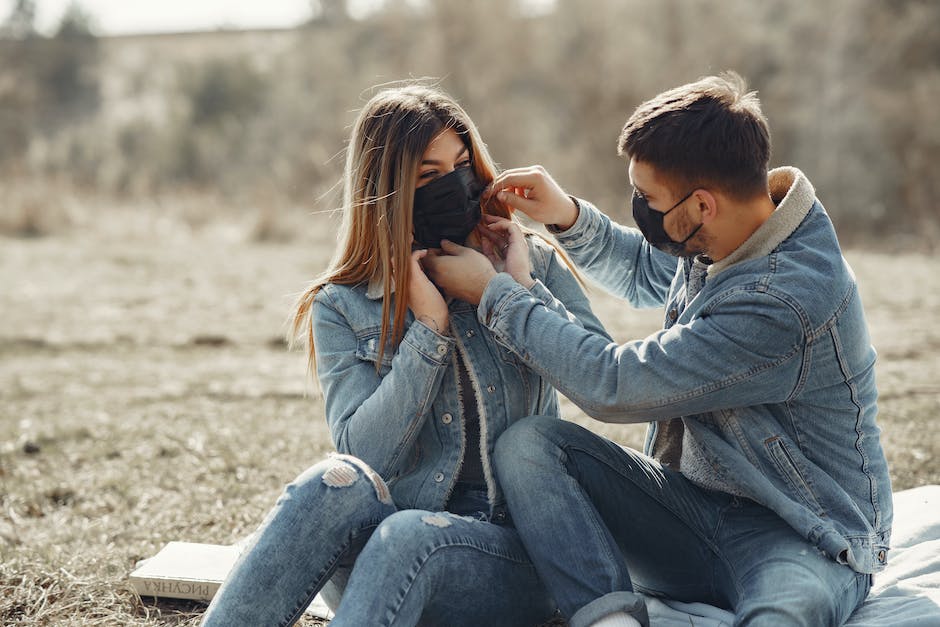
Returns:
(761, 383)
(406, 419)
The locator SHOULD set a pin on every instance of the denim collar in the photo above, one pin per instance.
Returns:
(794, 196)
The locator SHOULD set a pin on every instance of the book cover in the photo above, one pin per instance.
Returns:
(190, 570)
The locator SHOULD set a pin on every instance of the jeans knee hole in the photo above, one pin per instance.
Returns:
(340, 475)
(435, 520)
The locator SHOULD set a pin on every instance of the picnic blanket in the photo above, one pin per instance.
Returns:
(905, 594)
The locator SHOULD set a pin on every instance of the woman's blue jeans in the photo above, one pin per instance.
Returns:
(602, 522)
(336, 528)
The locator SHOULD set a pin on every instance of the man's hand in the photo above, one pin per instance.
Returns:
(461, 272)
(535, 193)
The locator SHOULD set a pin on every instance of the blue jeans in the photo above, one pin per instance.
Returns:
(335, 528)
(602, 522)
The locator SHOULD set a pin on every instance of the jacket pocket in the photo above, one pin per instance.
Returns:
(791, 472)
(367, 349)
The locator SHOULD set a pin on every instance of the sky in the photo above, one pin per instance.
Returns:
(118, 17)
(123, 17)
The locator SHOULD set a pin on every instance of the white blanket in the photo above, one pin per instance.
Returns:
(905, 594)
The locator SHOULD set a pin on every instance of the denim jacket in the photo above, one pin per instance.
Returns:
(761, 383)
(406, 419)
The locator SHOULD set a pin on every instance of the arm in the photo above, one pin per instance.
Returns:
(376, 418)
(618, 257)
(559, 291)
(721, 359)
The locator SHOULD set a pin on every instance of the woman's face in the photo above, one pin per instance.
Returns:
(444, 154)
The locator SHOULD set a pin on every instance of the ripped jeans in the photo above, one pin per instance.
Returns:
(336, 529)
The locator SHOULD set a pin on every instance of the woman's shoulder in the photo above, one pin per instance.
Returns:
(338, 294)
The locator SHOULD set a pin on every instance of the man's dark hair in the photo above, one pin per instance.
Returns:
(710, 132)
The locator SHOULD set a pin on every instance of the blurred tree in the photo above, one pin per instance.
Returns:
(21, 23)
(46, 84)
(328, 12)
(67, 69)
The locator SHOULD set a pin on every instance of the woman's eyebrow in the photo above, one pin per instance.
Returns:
(437, 162)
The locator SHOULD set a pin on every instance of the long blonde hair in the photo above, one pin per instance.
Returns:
(388, 141)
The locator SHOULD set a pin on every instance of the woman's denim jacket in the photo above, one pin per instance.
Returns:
(761, 383)
(406, 418)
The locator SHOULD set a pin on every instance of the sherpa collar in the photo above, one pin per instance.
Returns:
(794, 195)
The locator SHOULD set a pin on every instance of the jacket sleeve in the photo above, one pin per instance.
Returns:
(619, 258)
(559, 291)
(376, 416)
(746, 350)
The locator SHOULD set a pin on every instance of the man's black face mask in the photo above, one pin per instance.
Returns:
(650, 223)
(447, 208)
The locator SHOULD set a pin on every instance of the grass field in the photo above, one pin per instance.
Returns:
(146, 395)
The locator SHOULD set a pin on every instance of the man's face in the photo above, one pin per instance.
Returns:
(648, 182)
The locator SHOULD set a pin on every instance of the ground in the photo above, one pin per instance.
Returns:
(147, 395)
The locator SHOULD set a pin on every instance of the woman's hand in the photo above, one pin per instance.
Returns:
(507, 238)
(424, 300)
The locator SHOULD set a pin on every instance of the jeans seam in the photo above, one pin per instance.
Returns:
(708, 541)
(596, 519)
(321, 578)
(433, 551)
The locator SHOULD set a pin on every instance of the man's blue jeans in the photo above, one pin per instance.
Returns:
(335, 528)
(601, 522)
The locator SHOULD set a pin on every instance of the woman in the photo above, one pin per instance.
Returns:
(407, 525)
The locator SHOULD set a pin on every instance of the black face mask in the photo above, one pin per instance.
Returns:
(650, 223)
(447, 208)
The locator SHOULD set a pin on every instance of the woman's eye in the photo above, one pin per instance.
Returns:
(463, 164)
(426, 176)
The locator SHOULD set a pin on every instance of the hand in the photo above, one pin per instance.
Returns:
(424, 300)
(461, 272)
(535, 193)
(505, 236)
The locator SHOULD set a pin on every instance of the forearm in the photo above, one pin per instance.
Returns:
(673, 373)
(617, 258)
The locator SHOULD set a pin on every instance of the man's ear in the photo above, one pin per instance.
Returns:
(707, 205)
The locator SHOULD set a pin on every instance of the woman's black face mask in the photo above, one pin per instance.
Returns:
(447, 208)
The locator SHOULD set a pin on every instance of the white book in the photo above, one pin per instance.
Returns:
(190, 570)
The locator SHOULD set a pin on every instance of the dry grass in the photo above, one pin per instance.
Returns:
(147, 397)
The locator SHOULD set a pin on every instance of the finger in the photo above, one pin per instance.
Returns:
(451, 248)
(518, 177)
(489, 235)
(501, 225)
(525, 205)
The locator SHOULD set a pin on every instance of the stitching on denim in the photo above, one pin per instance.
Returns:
(853, 394)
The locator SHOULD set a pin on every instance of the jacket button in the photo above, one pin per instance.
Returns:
(491, 388)
(439, 477)
(673, 314)
(441, 349)
(471, 333)
(881, 556)
(446, 418)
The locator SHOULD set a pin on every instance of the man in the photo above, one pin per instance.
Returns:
(763, 487)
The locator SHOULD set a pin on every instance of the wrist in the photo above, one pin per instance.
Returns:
(525, 280)
(567, 219)
(436, 323)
